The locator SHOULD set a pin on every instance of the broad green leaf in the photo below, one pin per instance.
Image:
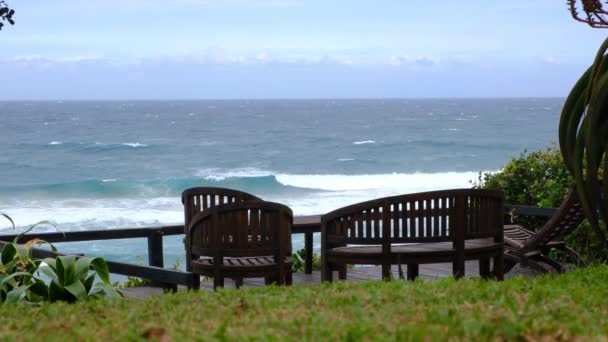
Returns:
(69, 268)
(100, 266)
(77, 290)
(60, 271)
(50, 272)
(15, 295)
(8, 253)
(107, 290)
(83, 265)
(51, 262)
(40, 288)
(56, 292)
(88, 282)
(23, 252)
(15, 275)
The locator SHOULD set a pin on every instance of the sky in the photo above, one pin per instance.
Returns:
(230, 49)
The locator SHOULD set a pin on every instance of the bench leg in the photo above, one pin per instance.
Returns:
(218, 282)
(326, 272)
(269, 280)
(386, 272)
(484, 268)
(238, 282)
(412, 271)
(342, 272)
(499, 266)
(289, 278)
(458, 268)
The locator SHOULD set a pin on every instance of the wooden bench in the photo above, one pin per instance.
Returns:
(430, 227)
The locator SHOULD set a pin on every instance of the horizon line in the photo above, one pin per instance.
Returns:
(285, 98)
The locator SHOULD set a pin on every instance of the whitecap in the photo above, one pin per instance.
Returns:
(345, 159)
(55, 143)
(364, 142)
(108, 180)
(391, 183)
(450, 129)
(135, 144)
(217, 174)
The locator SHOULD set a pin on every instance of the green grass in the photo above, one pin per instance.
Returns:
(568, 306)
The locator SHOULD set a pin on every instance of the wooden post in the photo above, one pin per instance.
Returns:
(458, 236)
(155, 256)
(308, 256)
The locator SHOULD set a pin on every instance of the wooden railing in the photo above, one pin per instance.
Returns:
(169, 278)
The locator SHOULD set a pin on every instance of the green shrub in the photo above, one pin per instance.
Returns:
(540, 178)
(299, 259)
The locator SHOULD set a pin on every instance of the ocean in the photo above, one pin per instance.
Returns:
(117, 164)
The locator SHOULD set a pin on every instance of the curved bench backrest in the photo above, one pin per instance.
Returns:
(241, 229)
(198, 199)
(434, 216)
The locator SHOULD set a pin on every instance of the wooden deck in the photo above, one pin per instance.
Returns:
(356, 274)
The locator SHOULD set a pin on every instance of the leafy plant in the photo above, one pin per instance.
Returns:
(17, 270)
(70, 278)
(299, 261)
(540, 178)
(134, 282)
(537, 178)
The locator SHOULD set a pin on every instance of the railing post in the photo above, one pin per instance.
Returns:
(155, 255)
(308, 256)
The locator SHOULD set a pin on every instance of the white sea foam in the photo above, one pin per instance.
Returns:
(393, 182)
(364, 142)
(450, 129)
(221, 174)
(108, 180)
(135, 144)
(345, 159)
(55, 143)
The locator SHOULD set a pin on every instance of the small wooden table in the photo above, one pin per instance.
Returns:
(307, 225)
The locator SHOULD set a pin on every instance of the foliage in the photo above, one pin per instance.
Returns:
(134, 282)
(69, 278)
(17, 269)
(299, 260)
(537, 178)
(583, 140)
(566, 307)
(6, 14)
(72, 278)
(540, 178)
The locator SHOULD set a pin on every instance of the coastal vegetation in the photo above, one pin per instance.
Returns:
(24, 278)
(540, 178)
(568, 306)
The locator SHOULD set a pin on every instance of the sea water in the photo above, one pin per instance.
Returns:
(118, 164)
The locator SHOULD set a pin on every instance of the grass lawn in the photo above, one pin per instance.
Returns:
(563, 307)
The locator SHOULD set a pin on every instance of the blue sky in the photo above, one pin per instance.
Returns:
(198, 49)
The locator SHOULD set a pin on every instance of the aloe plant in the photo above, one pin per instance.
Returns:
(70, 278)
